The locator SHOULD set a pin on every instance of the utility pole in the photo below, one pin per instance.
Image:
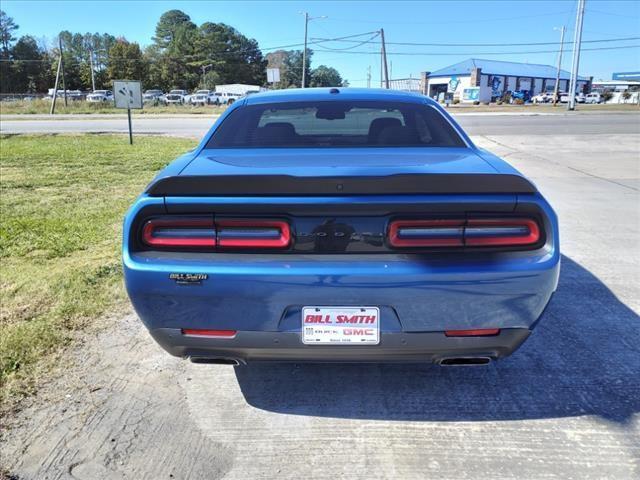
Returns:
(307, 19)
(55, 87)
(304, 52)
(369, 77)
(384, 60)
(64, 84)
(577, 40)
(555, 89)
(93, 78)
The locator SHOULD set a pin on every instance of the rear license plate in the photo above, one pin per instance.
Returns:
(340, 325)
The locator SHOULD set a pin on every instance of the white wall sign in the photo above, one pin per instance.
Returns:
(127, 94)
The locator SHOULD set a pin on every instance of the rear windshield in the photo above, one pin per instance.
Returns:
(335, 124)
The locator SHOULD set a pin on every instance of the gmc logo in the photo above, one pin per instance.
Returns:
(359, 331)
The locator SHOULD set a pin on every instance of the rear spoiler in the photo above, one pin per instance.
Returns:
(287, 185)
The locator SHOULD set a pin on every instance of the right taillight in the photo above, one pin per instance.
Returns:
(473, 232)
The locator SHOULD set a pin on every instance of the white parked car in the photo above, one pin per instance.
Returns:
(202, 97)
(593, 97)
(175, 97)
(225, 98)
(152, 96)
(543, 97)
(99, 96)
(580, 98)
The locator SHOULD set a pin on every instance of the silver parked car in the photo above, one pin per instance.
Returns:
(99, 96)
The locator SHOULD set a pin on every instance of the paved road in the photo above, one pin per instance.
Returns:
(566, 405)
(474, 124)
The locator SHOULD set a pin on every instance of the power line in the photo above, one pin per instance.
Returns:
(480, 20)
(281, 47)
(369, 40)
(477, 53)
(483, 44)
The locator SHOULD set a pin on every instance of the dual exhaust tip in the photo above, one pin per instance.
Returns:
(216, 361)
(463, 361)
(445, 362)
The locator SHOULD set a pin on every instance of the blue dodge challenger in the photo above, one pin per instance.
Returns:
(340, 225)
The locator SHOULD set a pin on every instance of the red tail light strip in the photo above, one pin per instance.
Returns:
(520, 231)
(187, 232)
(480, 332)
(460, 233)
(253, 233)
(209, 333)
(426, 233)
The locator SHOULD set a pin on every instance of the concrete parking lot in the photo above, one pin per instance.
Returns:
(566, 405)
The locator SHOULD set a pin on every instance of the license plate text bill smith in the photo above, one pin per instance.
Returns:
(340, 325)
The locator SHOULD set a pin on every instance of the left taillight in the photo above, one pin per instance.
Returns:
(194, 232)
(220, 234)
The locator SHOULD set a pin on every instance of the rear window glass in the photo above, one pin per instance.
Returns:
(335, 124)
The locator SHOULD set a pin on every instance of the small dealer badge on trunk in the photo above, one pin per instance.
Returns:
(188, 278)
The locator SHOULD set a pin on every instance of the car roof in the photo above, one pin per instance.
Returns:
(343, 93)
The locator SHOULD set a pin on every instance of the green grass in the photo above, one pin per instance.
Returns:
(62, 199)
(44, 106)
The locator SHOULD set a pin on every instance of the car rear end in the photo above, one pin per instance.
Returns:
(441, 254)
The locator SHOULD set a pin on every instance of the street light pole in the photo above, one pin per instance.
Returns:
(555, 88)
(93, 78)
(577, 40)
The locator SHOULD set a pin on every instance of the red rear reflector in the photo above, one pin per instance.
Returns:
(183, 232)
(209, 333)
(250, 233)
(482, 332)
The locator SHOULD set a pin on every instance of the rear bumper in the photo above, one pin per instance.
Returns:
(248, 347)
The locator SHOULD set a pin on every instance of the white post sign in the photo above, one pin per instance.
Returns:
(273, 75)
(127, 94)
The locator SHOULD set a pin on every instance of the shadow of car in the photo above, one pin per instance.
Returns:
(583, 359)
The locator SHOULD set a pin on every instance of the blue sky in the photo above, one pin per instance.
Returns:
(279, 23)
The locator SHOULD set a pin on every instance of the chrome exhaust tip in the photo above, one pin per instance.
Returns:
(464, 361)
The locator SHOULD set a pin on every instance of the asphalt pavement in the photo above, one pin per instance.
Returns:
(564, 406)
(197, 125)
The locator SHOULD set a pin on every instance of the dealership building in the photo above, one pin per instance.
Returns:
(487, 80)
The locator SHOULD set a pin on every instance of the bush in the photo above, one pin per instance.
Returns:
(518, 101)
(456, 101)
(485, 103)
(499, 102)
(476, 102)
(606, 96)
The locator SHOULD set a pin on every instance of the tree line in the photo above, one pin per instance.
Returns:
(181, 55)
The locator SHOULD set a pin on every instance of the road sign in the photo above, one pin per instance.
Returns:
(127, 94)
(273, 75)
